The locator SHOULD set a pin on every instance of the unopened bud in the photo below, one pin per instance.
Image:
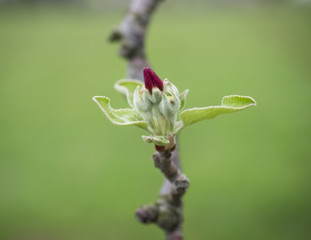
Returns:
(141, 101)
(155, 97)
(152, 80)
(170, 88)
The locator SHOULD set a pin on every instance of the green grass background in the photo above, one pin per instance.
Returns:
(67, 173)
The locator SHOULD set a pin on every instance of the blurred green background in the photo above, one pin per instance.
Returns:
(67, 173)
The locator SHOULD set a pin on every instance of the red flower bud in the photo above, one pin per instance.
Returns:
(152, 80)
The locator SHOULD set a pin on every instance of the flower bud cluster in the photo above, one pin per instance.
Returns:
(158, 103)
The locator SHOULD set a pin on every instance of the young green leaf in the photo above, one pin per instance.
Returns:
(127, 87)
(124, 116)
(182, 98)
(229, 104)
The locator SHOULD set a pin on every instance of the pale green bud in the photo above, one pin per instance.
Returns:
(171, 103)
(155, 97)
(141, 101)
(170, 88)
(158, 108)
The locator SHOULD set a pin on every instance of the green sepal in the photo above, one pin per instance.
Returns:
(157, 140)
(182, 98)
(229, 104)
(124, 116)
(127, 87)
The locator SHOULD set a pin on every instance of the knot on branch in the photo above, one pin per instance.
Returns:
(182, 183)
(115, 36)
(131, 43)
(162, 160)
(169, 218)
(147, 214)
(162, 213)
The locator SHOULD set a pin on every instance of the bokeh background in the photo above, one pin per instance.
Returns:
(67, 173)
